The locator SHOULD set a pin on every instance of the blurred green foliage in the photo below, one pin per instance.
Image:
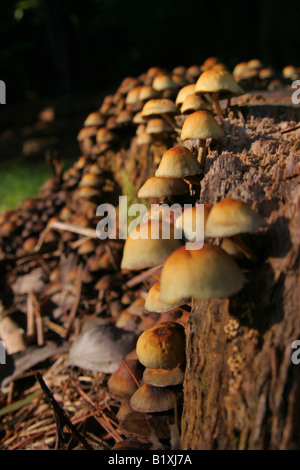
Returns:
(20, 182)
(52, 47)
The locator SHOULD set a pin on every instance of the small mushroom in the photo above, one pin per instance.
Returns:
(162, 187)
(216, 82)
(201, 125)
(153, 302)
(162, 346)
(201, 274)
(141, 251)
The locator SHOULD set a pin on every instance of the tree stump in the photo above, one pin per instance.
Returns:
(241, 388)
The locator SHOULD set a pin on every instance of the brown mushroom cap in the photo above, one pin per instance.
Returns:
(194, 103)
(217, 81)
(163, 82)
(202, 274)
(162, 346)
(121, 383)
(163, 377)
(159, 106)
(178, 162)
(201, 125)
(184, 92)
(150, 399)
(158, 126)
(230, 217)
(141, 253)
(153, 302)
(94, 119)
(163, 187)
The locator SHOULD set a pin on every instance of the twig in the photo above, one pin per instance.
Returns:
(144, 275)
(290, 130)
(130, 372)
(60, 416)
(76, 303)
(88, 232)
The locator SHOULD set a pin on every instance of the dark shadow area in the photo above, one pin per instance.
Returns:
(54, 47)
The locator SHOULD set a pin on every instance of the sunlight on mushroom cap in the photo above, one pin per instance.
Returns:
(163, 187)
(162, 346)
(202, 274)
(154, 303)
(230, 217)
(140, 253)
(178, 162)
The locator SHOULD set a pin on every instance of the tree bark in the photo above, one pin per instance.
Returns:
(241, 389)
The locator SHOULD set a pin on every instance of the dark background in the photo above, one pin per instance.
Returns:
(53, 48)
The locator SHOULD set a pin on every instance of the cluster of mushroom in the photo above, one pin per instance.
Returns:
(125, 112)
(253, 74)
(152, 382)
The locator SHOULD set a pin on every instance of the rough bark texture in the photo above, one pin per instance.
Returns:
(241, 389)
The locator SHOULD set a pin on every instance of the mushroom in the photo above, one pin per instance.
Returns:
(163, 377)
(162, 346)
(231, 217)
(163, 187)
(125, 380)
(183, 93)
(201, 125)
(141, 251)
(150, 399)
(154, 303)
(194, 103)
(163, 107)
(94, 119)
(215, 82)
(201, 274)
(180, 162)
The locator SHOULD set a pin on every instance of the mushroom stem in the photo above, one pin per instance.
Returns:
(170, 121)
(244, 248)
(217, 106)
(202, 152)
(228, 104)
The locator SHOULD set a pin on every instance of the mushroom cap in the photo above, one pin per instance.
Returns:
(133, 96)
(121, 383)
(147, 92)
(94, 119)
(144, 138)
(162, 346)
(153, 302)
(163, 377)
(104, 135)
(216, 80)
(163, 82)
(201, 125)
(159, 106)
(194, 103)
(189, 217)
(230, 217)
(140, 253)
(202, 274)
(158, 126)
(163, 187)
(150, 399)
(91, 179)
(184, 92)
(178, 162)
(87, 132)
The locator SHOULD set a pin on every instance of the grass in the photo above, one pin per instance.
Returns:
(20, 182)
